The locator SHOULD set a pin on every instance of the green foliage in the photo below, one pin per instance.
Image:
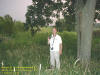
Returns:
(37, 12)
(19, 26)
(22, 38)
(40, 13)
(9, 27)
(43, 40)
(6, 24)
(24, 50)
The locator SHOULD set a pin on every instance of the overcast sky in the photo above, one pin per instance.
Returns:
(15, 8)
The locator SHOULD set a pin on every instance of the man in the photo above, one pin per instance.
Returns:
(55, 43)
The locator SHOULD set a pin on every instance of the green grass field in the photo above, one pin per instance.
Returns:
(23, 50)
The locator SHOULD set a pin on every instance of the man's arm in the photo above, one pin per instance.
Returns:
(60, 51)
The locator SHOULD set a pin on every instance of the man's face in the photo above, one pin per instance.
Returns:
(54, 31)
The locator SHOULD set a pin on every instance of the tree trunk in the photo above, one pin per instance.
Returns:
(85, 19)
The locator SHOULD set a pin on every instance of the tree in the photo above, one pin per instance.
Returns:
(40, 13)
(66, 24)
(6, 25)
(85, 11)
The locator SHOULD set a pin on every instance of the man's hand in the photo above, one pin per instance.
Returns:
(60, 52)
(48, 40)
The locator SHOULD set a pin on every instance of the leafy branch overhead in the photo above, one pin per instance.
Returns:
(41, 11)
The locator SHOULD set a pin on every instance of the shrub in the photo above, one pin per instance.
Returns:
(96, 33)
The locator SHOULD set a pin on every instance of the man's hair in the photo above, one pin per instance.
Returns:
(54, 27)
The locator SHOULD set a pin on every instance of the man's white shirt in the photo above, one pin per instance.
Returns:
(55, 43)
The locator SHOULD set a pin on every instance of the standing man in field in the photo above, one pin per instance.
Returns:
(55, 43)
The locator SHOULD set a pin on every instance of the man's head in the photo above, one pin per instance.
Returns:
(54, 31)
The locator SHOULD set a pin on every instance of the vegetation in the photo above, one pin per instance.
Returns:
(19, 48)
(6, 24)
(24, 50)
(41, 13)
